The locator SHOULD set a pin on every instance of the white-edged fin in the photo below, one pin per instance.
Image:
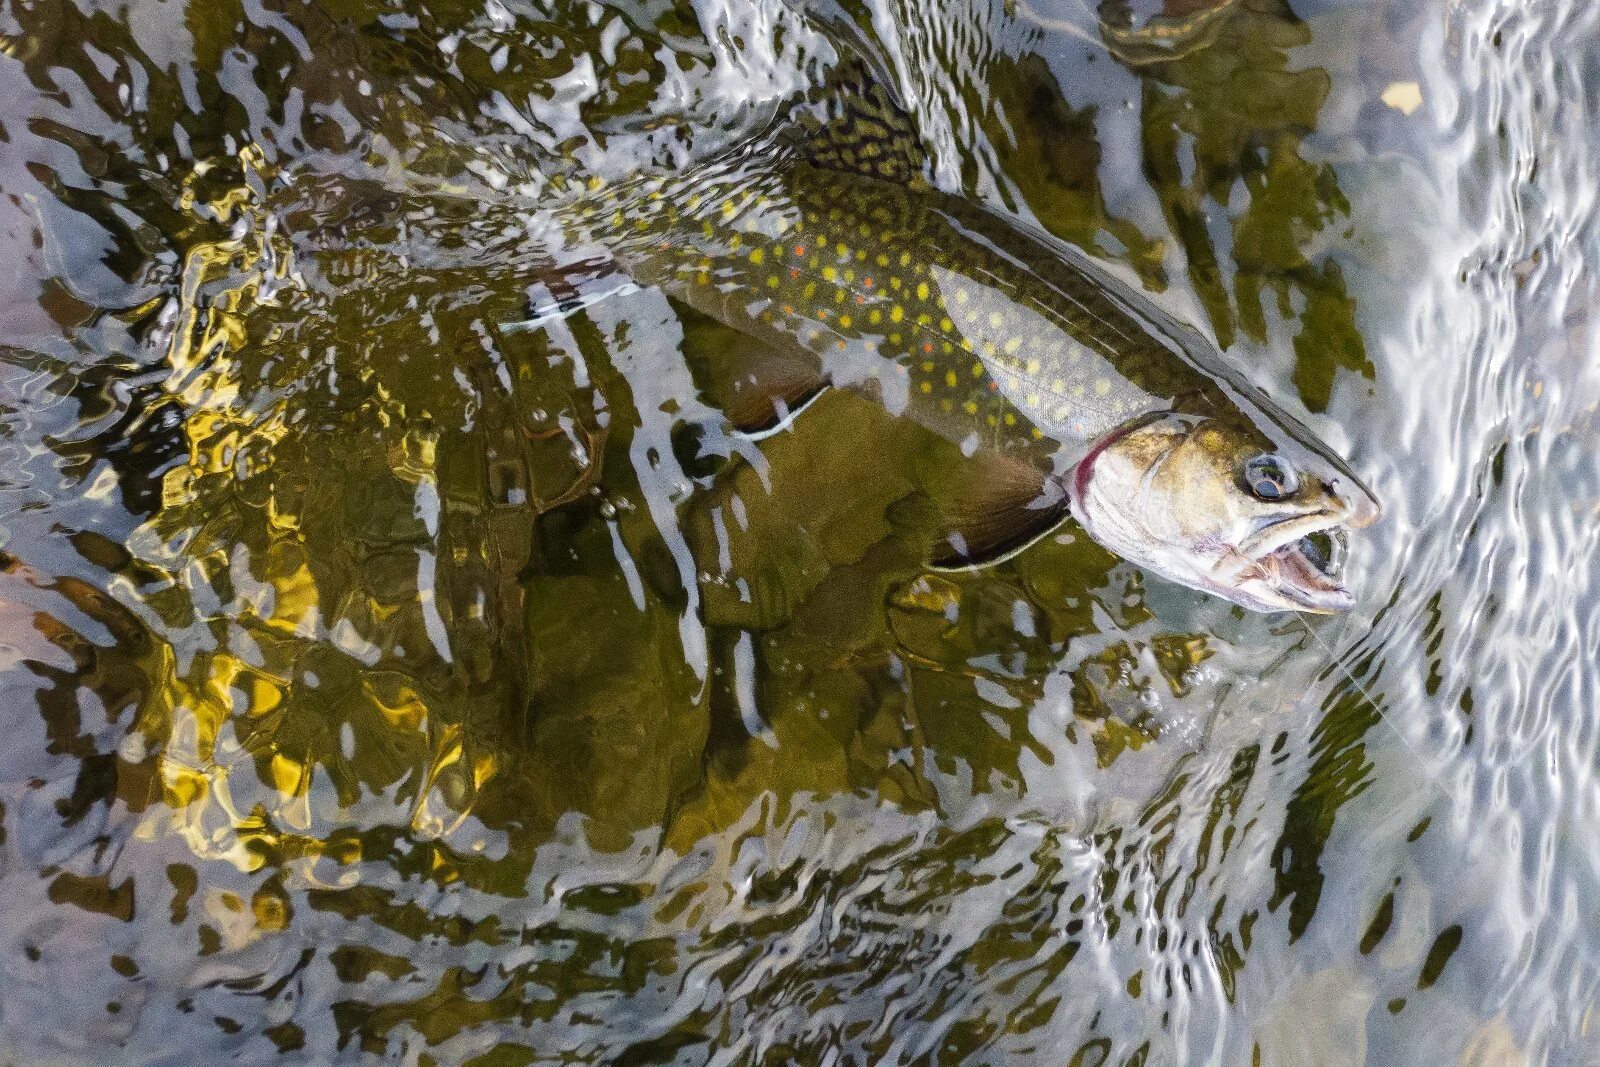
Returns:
(785, 415)
(994, 507)
(552, 303)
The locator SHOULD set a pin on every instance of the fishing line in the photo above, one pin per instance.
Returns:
(1433, 778)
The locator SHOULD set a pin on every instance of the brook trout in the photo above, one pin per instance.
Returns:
(1069, 392)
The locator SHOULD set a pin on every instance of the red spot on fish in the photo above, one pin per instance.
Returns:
(927, 346)
(799, 250)
(867, 282)
(994, 388)
(794, 272)
(861, 300)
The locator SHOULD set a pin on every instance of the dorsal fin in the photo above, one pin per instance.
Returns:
(852, 122)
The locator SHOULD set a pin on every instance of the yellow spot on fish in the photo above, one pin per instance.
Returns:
(905, 257)
(897, 313)
(946, 325)
(1058, 387)
(990, 420)
(757, 256)
(961, 296)
(922, 290)
(1038, 434)
(1033, 366)
(842, 249)
(727, 209)
(735, 241)
(1011, 420)
(977, 370)
(875, 316)
(772, 282)
(947, 405)
(894, 283)
(995, 319)
(970, 407)
(829, 274)
(1102, 387)
(950, 378)
(1012, 345)
(845, 321)
(927, 387)
(1033, 400)
(883, 260)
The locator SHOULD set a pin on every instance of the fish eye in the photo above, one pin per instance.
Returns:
(1270, 477)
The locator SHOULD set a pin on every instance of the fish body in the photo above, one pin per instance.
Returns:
(1077, 392)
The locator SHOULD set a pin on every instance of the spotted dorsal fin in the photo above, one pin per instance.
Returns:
(853, 123)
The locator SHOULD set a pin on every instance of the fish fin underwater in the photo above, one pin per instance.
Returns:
(852, 124)
(563, 295)
(980, 511)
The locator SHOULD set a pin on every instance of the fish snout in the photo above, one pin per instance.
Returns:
(1361, 506)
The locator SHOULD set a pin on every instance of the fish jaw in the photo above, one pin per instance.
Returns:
(1138, 495)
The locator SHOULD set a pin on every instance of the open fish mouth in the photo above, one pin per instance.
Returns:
(1298, 564)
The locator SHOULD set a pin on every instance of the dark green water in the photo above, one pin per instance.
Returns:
(378, 683)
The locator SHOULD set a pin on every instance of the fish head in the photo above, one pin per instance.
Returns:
(1218, 504)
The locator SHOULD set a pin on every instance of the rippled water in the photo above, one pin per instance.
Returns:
(379, 682)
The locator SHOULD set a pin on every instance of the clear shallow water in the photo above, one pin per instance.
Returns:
(378, 683)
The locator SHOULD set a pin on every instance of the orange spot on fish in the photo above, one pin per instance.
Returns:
(867, 282)
(861, 300)
(794, 272)
(799, 250)
(927, 347)
(993, 388)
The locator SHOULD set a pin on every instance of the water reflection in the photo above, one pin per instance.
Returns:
(381, 681)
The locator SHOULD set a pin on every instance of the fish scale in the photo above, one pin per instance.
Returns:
(940, 304)
(1065, 389)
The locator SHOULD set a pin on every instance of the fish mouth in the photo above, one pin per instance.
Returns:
(1297, 564)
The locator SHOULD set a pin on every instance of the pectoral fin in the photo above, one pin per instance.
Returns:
(991, 508)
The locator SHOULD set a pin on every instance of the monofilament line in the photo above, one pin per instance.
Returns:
(1431, 775)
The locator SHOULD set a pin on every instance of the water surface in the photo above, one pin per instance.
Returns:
(382, 683)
